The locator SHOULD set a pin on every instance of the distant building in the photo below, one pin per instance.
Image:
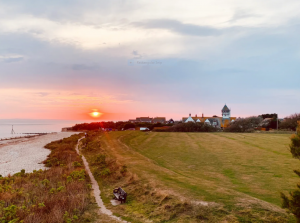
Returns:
(171, 121)
(66, 129)
(220, 122)
(148, 120)
(159, 120)
(144, 119)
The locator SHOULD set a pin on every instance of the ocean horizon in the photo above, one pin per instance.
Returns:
(21, 126)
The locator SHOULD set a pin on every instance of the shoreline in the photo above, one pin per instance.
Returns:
(29, 135)
(26, 152)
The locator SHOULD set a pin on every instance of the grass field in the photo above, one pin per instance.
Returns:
(236, 171)
(258, 165)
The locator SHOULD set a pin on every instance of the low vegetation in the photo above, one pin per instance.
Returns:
(290, 122)
(189, 127)
(115, 125)
(244, 124)
(59, 194)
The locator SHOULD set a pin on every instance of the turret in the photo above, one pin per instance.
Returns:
(225, 112)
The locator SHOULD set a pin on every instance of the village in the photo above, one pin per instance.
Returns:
(219, 122)
(264, 122)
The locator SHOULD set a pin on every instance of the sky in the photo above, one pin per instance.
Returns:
(126, 59)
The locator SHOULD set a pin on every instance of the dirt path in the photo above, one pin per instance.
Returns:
(96, 189)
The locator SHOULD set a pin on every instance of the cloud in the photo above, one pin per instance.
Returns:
(41, 94)
(241, 14)
(13, 59)
(79, 67)
(136, 55)
(178, 27)
(42, 51)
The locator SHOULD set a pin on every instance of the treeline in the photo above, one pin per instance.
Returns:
(290, 122)
(244, 124)
(115, 125)
(250, 124)
(189, 127)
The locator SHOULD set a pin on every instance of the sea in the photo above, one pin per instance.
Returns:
(22, 127)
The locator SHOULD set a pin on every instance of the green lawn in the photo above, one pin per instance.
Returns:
(219, 167)
(240, 172)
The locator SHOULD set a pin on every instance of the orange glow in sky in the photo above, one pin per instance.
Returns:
(95, 113)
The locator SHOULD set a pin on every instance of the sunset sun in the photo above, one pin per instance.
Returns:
(95, 113)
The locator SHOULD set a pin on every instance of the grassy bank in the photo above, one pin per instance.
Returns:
(59, 194)
(192, 177)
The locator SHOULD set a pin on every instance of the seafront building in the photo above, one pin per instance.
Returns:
(155, 120)
(221, 122)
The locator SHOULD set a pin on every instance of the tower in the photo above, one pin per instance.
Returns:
(12, 130)
(225, 112)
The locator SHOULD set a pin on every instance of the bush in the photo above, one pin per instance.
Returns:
(244, 124)
(189, 127)
(44, 196)
(123, 170)
(290, 122)
(291, 202)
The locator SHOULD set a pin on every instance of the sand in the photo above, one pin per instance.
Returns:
(25, 153)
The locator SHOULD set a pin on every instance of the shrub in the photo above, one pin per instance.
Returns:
(123, 170)
(189, 127)
(291, 202)
(77, 164)
(290, 122)
(244, 124)
(44, 196)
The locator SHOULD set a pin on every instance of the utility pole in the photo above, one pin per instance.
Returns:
(277, 122)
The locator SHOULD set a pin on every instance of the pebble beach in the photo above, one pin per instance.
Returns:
(26, 153)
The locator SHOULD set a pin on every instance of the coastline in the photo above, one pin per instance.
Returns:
(26, 153)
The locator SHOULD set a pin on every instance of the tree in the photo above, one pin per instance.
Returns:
(292, 202)
(244, 124)
(129, 126)
(290, 122)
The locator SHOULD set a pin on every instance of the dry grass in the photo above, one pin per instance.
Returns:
(59, 194)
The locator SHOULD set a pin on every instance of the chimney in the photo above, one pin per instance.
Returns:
(190, 114)
(196, 115)
(202, 115)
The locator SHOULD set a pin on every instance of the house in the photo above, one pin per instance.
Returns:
(144, 119)
(171, 121)
(220, 122)
(148, 120)
(159, 120)
(132, 120)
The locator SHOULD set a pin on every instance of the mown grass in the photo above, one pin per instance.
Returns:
(59, 194)
(238, 175)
